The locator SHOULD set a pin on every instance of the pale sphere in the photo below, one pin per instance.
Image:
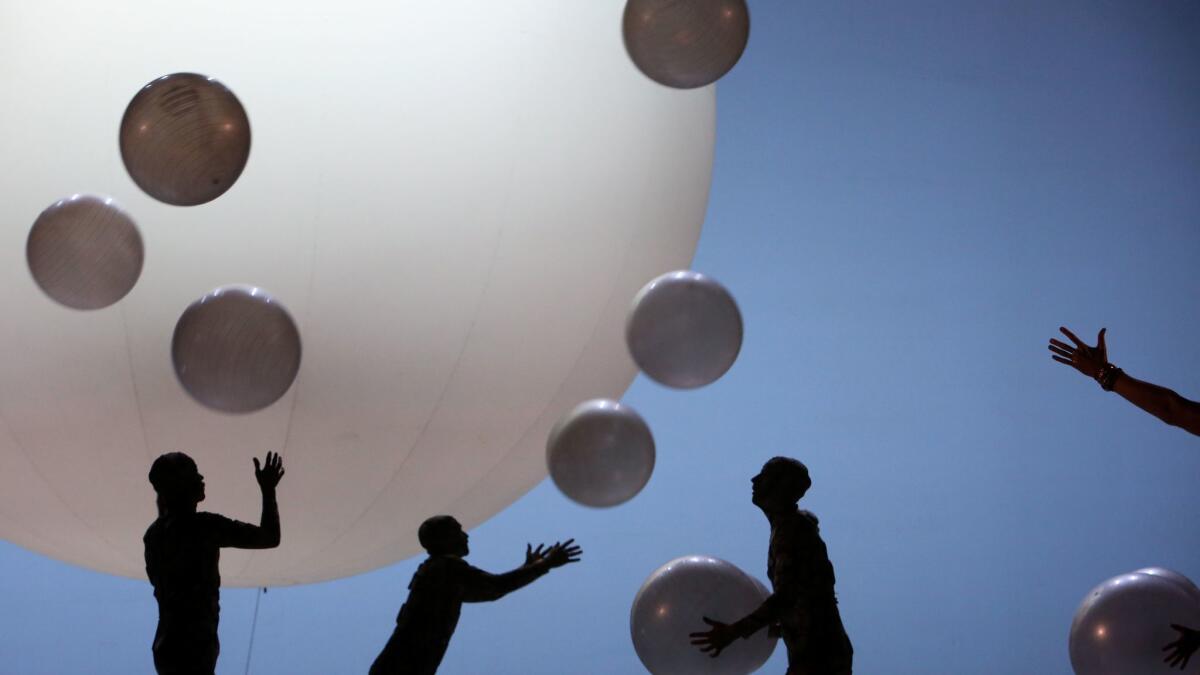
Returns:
(84, 252)
(684, 330)
(672, 604)
(1174, 576)
(455, 212)
(686, 44)
(601, 453)
(236, 349)
(1122, 625)
(185, 139)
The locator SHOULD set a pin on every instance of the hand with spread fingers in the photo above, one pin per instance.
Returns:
(270, 472)
(1161, 402)
(716, 639)
(562, 553)
(1182, 649)
(1087, 360)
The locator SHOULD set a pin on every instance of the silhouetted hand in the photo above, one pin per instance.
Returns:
(1081, 357)
(562, 553)
(713, 641)
(1183, 648)
(534, 555)
(270, 472)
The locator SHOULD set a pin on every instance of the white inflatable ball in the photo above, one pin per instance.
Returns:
(1122, 625)
(684, 330)
(84, 252)
(236, 349)
(686, 44)
(1174, 576)
(671, 605)
(185, 139)
(601, 453)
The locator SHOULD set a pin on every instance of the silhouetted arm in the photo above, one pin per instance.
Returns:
(1182, 649)
(785, 600)
(481, 586)
(1161, 402)
(797, 561)
(266, 534)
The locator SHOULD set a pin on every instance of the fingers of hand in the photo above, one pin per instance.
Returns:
(1071, 336)
(1066, 354)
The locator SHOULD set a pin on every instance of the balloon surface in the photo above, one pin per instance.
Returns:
(236, 349)
(601, 453)
(684, 330)
(1122, 625)
(671, 605)
(1178, 578)
(686, 44)
(185, 139)
(458, 245)
(84, 252)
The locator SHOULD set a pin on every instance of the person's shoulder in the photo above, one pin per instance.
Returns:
(801, 522)
(436, 570)
(208, 519)
(443, 563)
(153, 531)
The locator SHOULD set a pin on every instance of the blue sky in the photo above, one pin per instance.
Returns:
(908, 199)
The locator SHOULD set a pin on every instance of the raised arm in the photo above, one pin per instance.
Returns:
(266, 534)
(1161, 402)
(481, 586)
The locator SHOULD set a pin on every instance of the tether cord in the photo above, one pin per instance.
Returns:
(253, 625)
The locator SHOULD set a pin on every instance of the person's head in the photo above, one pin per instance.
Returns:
(177, 481)
(443, 535)
(780, 484)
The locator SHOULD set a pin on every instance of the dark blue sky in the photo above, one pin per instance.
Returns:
(909, 198)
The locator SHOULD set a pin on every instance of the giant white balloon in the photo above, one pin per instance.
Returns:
(455, 200)
(671, 605)
(1121, 626)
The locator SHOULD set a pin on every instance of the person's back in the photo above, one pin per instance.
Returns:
(428, 618)
(182, 556)
(801, 573)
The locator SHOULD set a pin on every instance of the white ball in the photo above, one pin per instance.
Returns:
(671, 605)
(1122, 625)
(441, 196)
(684, 329)
(236, 349)
(601, 453)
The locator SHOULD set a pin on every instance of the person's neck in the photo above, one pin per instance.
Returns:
(179, 509)
(775, 514)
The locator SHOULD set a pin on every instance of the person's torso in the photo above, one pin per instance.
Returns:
(182, 561)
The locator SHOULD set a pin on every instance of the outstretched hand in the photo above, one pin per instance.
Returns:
(1087, 360)
(561, 553)
(269, 473)
(714, 641)
(1182, 649)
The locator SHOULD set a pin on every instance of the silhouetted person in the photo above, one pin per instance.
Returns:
(1161, 402)
(802, 606)
(442, 584)
(182, 554)
(1182, 649)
